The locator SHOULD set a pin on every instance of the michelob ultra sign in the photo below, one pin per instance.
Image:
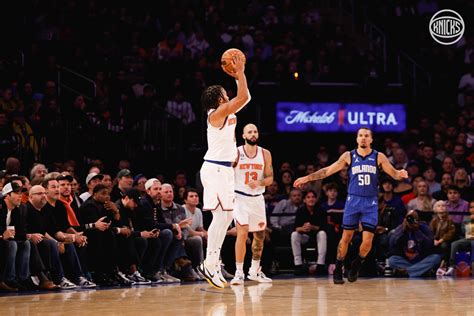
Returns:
(339, 117)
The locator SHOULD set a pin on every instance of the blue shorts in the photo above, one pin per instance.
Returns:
(362, 209)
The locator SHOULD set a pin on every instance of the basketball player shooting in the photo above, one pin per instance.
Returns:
(217, 174)
(361, 204)
(253, 172)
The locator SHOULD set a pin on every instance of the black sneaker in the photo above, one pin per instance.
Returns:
(153, 278)
(122, 279)
(354, 271)
(400, 273)
(301, 269)
(337, 276)
(321, 269)
(28, 285)
(138, 279)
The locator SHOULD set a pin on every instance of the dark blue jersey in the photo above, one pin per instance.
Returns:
(363, 174)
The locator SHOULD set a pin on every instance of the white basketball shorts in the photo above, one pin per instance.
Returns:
(218, 183)
(250, 210)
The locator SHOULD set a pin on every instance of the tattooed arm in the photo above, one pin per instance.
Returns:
(344, 160)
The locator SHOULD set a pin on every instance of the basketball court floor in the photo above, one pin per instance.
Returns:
(303, 296)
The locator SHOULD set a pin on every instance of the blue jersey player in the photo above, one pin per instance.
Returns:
(364, 164)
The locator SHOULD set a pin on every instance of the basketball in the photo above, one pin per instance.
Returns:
(226, 59)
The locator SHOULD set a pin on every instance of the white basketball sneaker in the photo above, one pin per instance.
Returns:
(238, 278)
(220, 274)
(259, 276)
(211, 275)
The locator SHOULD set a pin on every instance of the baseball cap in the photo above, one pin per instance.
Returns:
(124, 173)
(150, 182)
(11, 187)
(133, 194)
(93, 175)
(64, 176)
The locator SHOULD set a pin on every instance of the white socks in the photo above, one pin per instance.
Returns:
(254, 267)
(239, 267)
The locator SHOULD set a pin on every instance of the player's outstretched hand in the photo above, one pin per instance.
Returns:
(300, 182)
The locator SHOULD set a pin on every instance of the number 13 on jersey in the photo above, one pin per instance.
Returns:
(250, 176)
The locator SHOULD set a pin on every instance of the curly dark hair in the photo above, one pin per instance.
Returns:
(210, 97)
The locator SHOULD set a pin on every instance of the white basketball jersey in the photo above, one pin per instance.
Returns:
(221, 140)
(247, 169)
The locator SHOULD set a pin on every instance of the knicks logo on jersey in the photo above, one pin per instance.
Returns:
(254, 166)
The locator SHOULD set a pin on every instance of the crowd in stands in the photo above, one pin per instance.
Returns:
(93, 218)
(150, 63)
(67, 231)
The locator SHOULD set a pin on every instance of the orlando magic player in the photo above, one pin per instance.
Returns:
(361, 204)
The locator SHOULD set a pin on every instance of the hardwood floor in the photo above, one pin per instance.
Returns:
(307, 296)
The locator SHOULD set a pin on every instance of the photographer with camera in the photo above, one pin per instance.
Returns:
(411, 246)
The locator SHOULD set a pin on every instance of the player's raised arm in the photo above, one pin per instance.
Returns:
(389, 169)
(343, 161)
(242, 97)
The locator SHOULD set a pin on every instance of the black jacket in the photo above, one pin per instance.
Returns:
(126, 219)
(91, 210)
(149, 216)
(318, 218)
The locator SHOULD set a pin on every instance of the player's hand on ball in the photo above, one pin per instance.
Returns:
(239, 64)
(300, 182)
(230, 73)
